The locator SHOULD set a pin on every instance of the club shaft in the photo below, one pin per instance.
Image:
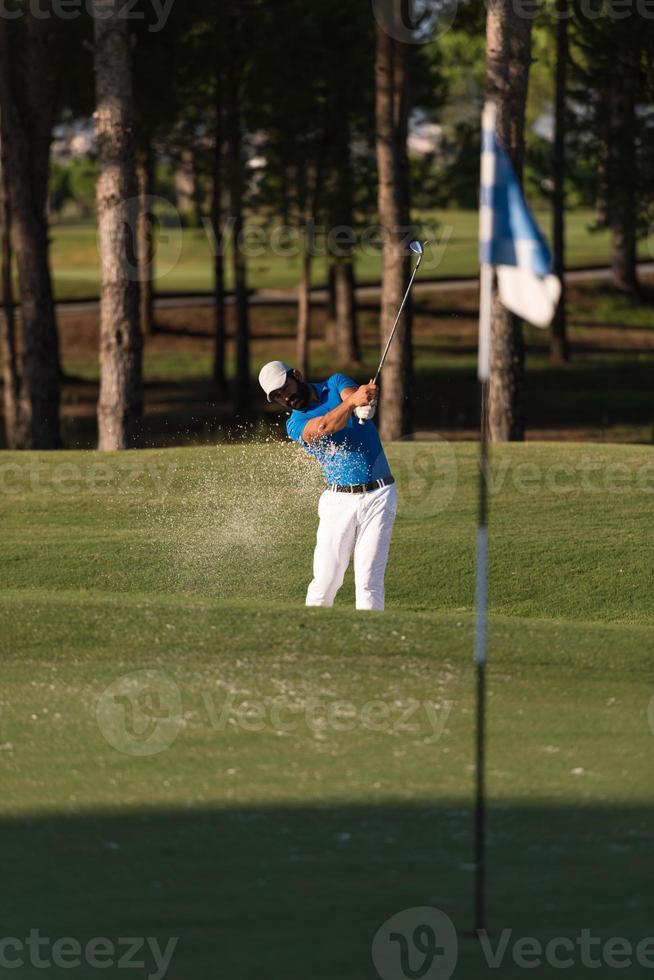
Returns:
(397, 319)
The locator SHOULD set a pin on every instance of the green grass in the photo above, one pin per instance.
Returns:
(184, 257)
(599, 304)
(277, 844)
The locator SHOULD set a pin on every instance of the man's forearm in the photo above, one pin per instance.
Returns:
(337, 419)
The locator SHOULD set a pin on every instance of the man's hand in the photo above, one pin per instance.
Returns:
(325, 425)
(365, 395)
(366, 412)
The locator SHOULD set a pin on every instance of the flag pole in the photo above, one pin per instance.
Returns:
(488, 168)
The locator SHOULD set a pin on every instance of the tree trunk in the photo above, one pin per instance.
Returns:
(120, 407)
(286, 195)
(330, 307)
(10, 377)
(624, 256)
(27, 109)
(304, 314)
(309, 195)
(218, 372)
(346, 333)
(559, 348)
(344, 313)
(623, 164)
(185, 189)
(234, 151)
(146, 226)
(198, 190)
(601, 201)
(508, 59)
(391, 130)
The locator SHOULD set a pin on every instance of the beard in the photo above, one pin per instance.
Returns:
(302, 396)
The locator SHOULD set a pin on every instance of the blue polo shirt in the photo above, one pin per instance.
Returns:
(353, 455)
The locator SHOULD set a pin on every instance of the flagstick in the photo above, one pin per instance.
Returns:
(481, 593)
(481, 605)
(499, 246)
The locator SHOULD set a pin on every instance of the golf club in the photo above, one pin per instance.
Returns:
(419, 249)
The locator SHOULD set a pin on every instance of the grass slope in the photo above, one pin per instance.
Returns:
(315, 767)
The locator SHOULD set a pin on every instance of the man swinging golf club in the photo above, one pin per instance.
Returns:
(333, 421)
(358, 508)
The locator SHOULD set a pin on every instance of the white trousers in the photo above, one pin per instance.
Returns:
(359, 522)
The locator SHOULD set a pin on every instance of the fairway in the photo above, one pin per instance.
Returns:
(280, 781)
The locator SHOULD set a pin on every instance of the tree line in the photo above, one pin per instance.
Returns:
(324, 91)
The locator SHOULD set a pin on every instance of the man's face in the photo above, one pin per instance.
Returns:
(294, 394)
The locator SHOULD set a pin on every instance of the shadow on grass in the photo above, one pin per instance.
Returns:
(299, 893)
(589, 392)
(597, 392)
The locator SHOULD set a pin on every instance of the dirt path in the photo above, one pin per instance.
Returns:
(365, 293)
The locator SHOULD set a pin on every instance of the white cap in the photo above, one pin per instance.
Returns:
(273, 376)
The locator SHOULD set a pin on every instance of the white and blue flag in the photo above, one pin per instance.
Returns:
(509, 239)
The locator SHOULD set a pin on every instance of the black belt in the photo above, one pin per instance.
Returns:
(361, 487)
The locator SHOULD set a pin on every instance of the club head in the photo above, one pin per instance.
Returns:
(416, 247)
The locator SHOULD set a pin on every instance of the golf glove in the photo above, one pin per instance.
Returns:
(366, 412)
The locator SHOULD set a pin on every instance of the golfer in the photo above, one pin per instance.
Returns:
(358, 508)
